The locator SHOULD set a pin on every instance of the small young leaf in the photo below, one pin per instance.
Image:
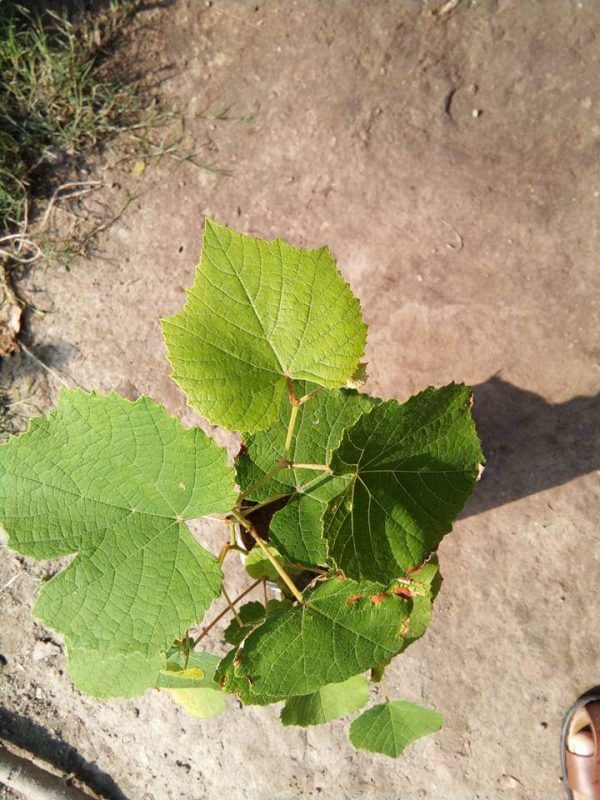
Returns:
(412, 468)
(114, 481)
(341, 629)
(258, 313)
(327, 703)
(201, 703)
(197, 672)
(199, 696)
(297, 529)
(389, 727)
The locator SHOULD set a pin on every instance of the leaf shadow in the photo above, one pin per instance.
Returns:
(531, 445)
(36, 739)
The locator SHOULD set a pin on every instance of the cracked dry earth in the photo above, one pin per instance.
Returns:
(451, 163)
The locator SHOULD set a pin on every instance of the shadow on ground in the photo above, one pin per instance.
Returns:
(531, 445)
(38, 741)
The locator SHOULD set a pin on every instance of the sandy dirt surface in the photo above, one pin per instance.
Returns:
(451, 163)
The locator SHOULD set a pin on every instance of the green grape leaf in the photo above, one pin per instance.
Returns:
(250, 616)
(421, 589)
(113, 481)
(297, 529)
(412, 468)
(341, 629)
(260, 313)
(424, 586)
(201, 703)
(197, 671)
(259, 566)
(388, 728)
(105, 674)
(327, 703)
(193, 685)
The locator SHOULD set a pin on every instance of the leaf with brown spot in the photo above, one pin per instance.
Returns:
(321, 641)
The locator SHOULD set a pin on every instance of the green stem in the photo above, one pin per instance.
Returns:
(290, 430)
(280, 570)
(310, 395)
(291, 391)
(231, 606)
(319, 467)
(316, 570)
(227, 548)
(223, 553)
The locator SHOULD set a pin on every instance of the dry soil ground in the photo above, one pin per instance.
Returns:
(452, 163)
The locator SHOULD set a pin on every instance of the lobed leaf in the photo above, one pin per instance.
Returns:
(113, 481)
(388, 728)
(260, 313)
(297, 529)
(341, 629)
(327, 703)
(412, 467)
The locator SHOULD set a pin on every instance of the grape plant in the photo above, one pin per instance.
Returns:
(337, 500)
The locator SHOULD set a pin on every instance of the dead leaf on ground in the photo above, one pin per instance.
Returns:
(10, 316)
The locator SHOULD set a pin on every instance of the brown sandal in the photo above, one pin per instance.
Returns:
(580, 748)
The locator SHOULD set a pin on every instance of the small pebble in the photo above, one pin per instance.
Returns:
(42, 650)
(476, 113)
(509, 782)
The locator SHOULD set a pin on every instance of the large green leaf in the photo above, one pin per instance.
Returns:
(114, 481)
(389, 727)
(258, 313)
(412, 468)
(341, 629)
(297, 529)
(105, 673)
(327, 703)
